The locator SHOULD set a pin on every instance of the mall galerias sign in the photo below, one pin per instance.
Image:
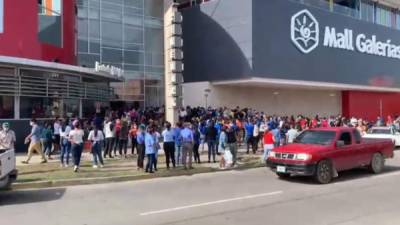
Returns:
(305, 35)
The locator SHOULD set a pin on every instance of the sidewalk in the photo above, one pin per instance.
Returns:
(51, 174)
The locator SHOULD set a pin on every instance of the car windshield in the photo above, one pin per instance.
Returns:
(316, 137)
(380, 131)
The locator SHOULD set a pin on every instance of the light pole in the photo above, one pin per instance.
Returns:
(206, 94)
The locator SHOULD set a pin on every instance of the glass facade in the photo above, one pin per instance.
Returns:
(127, 34)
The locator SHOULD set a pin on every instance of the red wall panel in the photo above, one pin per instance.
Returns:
(370, 105)
(20, 36)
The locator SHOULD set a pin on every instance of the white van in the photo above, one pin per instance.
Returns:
(8, 172)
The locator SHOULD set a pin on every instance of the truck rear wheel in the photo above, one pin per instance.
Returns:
(377, 163)
(324, 174)
(5, 183)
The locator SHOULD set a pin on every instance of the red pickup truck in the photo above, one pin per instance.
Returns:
(324, 152)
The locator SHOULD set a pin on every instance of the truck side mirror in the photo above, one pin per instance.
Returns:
(339, 144)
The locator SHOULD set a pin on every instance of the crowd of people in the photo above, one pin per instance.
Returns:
(222, 130)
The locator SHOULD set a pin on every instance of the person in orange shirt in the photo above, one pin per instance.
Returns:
(132, 135)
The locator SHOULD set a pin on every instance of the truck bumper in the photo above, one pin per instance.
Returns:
(294, 169)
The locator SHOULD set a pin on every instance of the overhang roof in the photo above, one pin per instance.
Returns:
(58, 66)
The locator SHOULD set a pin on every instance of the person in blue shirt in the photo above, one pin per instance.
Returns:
(150, 149)
(218, 126)
(178, 143)
(140, 139)
(187, 145)
(277, 136)
(249, 130)
(169, 144)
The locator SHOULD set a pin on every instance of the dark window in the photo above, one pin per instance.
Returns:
(6, 107)
(357, 136)
(346, 138)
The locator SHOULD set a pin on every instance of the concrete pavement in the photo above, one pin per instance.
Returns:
(235, 197)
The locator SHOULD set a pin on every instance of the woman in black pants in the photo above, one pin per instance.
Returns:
(197, 140)
(169, 144)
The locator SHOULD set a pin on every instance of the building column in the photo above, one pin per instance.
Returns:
(16, 107)
(173, 61)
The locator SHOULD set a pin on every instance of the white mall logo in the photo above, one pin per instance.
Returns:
(305, 31)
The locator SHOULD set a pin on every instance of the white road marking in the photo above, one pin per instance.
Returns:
(212, 203)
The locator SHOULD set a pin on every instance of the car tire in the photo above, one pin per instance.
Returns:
(324, 172)
(283, 175)
(377, 163)
(5, 183)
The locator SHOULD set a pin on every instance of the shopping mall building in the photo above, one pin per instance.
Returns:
(294, 56)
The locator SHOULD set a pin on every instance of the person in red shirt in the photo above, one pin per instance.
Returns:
(268, 141)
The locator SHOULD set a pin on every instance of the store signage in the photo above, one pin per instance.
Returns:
(112, 70)
(305, 36)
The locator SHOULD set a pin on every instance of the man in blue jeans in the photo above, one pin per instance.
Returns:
(178, 143)
(211, 138)
(150, 143)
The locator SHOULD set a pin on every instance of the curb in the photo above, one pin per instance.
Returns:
(103, 180)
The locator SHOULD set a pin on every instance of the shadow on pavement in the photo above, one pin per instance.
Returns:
(344, 176)
(30, 196)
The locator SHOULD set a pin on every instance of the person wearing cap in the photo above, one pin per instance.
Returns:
(7, 137)
(187, 141)
(76, 139)
(34, 146)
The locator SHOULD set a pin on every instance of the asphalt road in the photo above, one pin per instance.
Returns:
(248, 197)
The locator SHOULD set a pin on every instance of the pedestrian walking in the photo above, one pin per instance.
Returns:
(76, 139)
(196, 145)
(232, 143)
(150, 149)
(169, 145)
(211, 138)
(47, 139)
(249, 130)
(222, 147)
(132, 135)
(109, 133)
(269, 142)
(178, 143)
(65, 143)
(187, 146)
(140, 138)
(123, 138)
(34, 139)
(96, 137)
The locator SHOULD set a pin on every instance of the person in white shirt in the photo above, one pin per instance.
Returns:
(76, 139)
(263, 128)
(109, 137)
(291, 134)
(256, 137)
(96, 137)
(57, 135)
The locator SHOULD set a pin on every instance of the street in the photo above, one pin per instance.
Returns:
(253, 196)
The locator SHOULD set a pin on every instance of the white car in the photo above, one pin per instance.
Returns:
(384, 133)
